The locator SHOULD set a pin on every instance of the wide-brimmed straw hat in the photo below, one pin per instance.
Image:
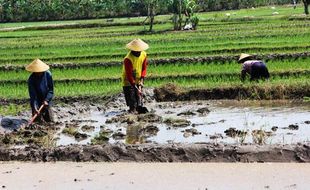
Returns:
(244, 56)
(37, 66)
(137, 45)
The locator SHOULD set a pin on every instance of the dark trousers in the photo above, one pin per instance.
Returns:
(259, 71)
(132, 97)
(46, 115)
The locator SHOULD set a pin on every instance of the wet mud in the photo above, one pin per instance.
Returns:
(161, 153)
(177, 131)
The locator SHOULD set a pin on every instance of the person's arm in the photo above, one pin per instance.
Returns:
(243, 72)
(129, 70)
(143, 74)
(50, 85)
(33, 95)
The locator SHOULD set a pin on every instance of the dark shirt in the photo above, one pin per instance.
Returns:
(247, 67)
(41, 88)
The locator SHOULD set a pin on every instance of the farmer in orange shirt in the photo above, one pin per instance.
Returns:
(134, 71)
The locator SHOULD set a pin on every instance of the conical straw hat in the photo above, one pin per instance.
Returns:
(37, 66)
(243, 56)
(137, 45)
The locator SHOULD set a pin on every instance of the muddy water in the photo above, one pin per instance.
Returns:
(271, 118)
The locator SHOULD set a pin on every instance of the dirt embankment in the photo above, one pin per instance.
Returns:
(161, 153)
(171, 92)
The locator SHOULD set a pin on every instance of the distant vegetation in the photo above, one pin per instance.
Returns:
(44, 10)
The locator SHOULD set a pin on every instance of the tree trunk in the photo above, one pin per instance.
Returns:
(151, 23)
(180, 15)
(152, 16)
(306, 3)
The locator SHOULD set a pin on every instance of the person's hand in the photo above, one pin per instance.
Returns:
(141, 82)
(36, 110)
(45, 103)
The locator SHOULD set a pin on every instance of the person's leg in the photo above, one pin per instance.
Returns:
(48, 114)
(130, 97)
(38, 119)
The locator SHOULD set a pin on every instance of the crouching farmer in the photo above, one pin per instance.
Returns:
(134, 71)
(41, 90)
(255, 68)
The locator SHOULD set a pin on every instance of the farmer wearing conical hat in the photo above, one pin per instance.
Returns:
(257, 69)
(134, 71)
(41, 89)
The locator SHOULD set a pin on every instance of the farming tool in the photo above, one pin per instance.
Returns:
(35, 115)
(141, 108)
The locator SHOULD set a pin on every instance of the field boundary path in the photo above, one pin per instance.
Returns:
(156, 176)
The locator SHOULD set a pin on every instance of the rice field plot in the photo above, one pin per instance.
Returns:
(95, 41)
(106, 43)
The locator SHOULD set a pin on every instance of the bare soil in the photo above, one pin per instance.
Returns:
(156, 176)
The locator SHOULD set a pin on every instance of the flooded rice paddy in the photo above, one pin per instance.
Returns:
(229, 122)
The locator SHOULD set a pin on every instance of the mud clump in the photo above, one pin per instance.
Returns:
(149, 130)
(80, 136)
(233, 132)
(101, 138)
(191, 132)
(73, 132)
(129, 119)
(118, 136)
(203, 111)
(149, 118)
(216, 136)
(177, 122)
(186, 113)
(307, 122)
(293, 127)
(88, 128)
(168, 92)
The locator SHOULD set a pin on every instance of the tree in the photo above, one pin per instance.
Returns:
(153, 7)
(186, 7)
(306, 4)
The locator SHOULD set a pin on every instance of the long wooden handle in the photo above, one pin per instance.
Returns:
(139, 90)
(36, 115)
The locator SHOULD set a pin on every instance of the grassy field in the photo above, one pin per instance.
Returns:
(83, 43)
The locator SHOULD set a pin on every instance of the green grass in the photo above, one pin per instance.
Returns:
(13, 109)
(160, 70)
(104, 88)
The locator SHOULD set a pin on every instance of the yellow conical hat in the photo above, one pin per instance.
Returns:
(137, 45)
(243, 56)
(37, 66)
